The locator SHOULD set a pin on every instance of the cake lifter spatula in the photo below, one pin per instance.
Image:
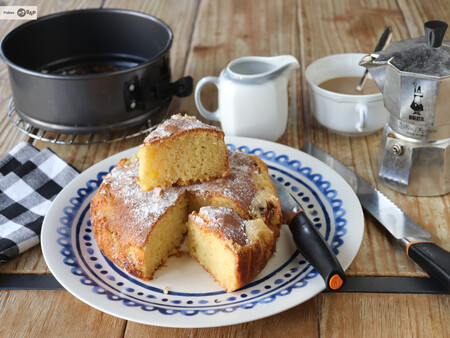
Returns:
(308, 240)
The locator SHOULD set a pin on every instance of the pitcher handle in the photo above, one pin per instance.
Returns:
(362, 109)
(214, 116)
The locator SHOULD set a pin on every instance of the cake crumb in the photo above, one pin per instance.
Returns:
(166, 290)
(180, 253)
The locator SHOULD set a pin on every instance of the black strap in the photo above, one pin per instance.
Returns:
(419, 285)
(354, 284)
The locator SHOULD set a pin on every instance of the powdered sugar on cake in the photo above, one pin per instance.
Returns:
(238, 185)
(176, 125)
(141, 210)
(226, 223)
(145, 208)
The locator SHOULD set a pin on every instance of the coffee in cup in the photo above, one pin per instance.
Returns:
(335, 105)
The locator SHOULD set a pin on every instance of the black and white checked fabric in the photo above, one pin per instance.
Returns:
(29, 181)
(19, 155)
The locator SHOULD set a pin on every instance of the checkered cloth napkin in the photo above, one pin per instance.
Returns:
(29, 181)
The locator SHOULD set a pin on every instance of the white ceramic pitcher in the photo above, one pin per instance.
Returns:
(253, 98)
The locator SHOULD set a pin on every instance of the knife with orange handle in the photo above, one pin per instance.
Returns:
(309, 242)
(433, 259)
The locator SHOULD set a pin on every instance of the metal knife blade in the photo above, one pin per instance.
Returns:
(288, 205)
(432, 258)
(309, 241)
(382, 208)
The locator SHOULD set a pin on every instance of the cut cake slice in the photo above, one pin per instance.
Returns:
(182, 150)
(233, 250)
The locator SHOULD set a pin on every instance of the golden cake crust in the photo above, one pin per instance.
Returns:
(178, 125)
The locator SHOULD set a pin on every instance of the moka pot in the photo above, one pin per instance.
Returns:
(414, 77)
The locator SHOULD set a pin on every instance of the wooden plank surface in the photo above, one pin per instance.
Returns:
(207, 35)
(53, 314)
(383, 315)
(287, 325)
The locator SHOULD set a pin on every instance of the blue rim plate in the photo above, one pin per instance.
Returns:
(193, 298)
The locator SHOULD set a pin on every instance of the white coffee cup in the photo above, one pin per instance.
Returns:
(350, 115)
(252, 96)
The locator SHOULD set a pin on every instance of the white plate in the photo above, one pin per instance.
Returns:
(194, 299)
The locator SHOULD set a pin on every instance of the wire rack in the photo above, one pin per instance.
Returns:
(78, 138)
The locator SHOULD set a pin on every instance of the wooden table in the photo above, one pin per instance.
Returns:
(207, 35)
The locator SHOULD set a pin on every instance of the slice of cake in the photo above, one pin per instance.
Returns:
(137, 230)
(182, 150)
(233, 250)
